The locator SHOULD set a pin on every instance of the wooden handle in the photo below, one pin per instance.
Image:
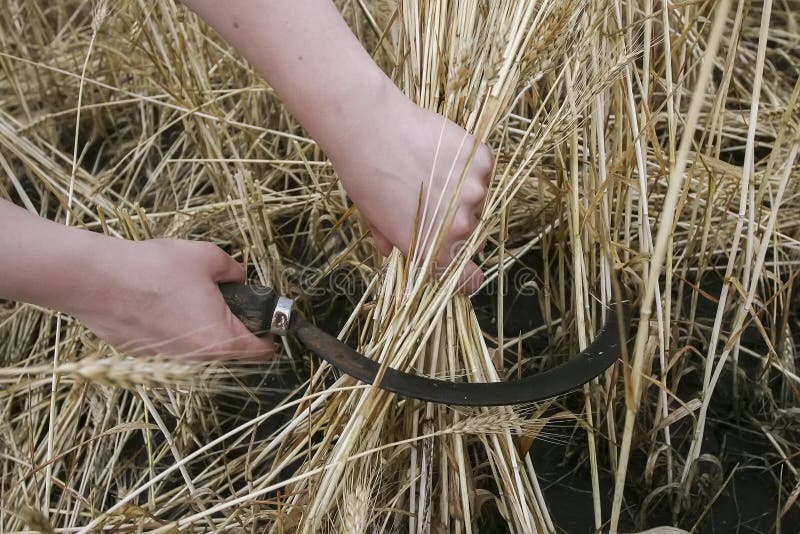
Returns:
(252, 304)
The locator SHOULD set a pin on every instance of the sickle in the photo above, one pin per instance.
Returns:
(262, 312)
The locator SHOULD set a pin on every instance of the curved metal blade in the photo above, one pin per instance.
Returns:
(599, 356)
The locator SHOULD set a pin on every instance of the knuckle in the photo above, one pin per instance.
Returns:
(480, 191)
(484, 160)
(461, 227)
(213, 256)
(486, 156)
(209, 250)
(474, 192)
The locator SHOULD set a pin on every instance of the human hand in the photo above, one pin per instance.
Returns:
(161, 297)
(386, 163)
(381, 144)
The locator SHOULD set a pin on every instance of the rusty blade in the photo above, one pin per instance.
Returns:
(571, 375)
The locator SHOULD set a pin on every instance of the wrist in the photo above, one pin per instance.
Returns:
(90, 272)
(359, 112)
(352, 114)
(52, 265)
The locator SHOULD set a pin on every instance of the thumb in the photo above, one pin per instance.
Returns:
(470, 279)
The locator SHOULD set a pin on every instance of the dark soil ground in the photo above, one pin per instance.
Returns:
(736, 489)
(747, 502)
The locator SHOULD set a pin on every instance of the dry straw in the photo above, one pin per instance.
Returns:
(645, 151)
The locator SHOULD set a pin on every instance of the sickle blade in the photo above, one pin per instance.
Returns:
(571, 375)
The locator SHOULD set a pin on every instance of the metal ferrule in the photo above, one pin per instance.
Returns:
(281, 316)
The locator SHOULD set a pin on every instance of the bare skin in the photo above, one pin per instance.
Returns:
(161, 296)
(381, 144)
(145, 298)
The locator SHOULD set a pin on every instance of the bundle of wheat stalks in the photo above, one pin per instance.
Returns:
(645, 152)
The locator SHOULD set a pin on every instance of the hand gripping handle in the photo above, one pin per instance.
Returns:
(253, 305)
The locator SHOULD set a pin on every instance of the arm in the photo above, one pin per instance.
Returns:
(307, 53)
(41, 261)
(161, 296)
(382, 146)
(149, 297)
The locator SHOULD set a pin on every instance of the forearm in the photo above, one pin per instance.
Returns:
(49, 264)
(308, 54)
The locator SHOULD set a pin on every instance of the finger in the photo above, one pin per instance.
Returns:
(485, 163)
(246, 346)
(470, 279)
(223, 268)
(473, 194)
(461, 227)
(477, 211)
(481, 245)
(383, 245)
(243, 345)
(231, 271)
